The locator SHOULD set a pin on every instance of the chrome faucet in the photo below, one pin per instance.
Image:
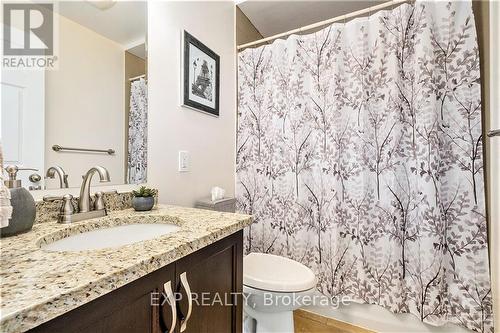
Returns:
(84, 200)
(57, 170)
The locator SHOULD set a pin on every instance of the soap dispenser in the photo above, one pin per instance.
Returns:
(12, 170)
(22, 202)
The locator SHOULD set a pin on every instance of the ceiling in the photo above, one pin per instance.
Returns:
(124, 22)
(273, 17)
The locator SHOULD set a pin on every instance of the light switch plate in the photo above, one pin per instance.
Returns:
(183, 161)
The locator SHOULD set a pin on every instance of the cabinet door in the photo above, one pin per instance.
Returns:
(214, 277)
(134, 316)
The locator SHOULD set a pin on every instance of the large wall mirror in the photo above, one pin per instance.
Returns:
(64, 121)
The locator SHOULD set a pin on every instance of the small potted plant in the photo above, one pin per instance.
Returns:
(143, 199)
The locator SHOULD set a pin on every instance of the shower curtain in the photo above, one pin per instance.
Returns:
(359, 154)
(138, 133)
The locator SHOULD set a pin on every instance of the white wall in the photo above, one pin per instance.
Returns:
(84, 103)
(209, 140)
(494, 158)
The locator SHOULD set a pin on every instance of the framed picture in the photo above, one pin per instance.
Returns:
(201, 76)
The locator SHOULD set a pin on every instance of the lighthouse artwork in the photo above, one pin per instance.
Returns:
(201, 76)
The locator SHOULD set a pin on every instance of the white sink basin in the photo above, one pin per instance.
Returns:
(111, 237)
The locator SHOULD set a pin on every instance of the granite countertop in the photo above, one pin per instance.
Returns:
(38, 285)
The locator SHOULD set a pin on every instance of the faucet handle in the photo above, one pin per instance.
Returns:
(67, 207)
(99, 201)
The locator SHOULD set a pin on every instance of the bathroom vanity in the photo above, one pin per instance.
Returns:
(124, 289)
(140, 305)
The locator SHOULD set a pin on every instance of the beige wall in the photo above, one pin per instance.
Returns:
(209, 140)
(84, 103)
(245, 30)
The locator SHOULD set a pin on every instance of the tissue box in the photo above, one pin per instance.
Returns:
(222, 205)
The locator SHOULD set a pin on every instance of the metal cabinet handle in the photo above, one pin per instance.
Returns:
(185, 284)
(167, 288)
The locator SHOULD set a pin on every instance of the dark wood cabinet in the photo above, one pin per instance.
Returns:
(121, 320)
(213, 275)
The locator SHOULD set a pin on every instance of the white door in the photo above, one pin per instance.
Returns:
(22, 120)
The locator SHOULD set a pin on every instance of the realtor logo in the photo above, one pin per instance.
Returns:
(28, 29)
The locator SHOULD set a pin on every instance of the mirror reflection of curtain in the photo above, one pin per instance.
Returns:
(138, 133)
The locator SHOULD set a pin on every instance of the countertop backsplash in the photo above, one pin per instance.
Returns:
(47, 211)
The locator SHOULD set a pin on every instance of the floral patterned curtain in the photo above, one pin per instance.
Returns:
(138, 133)
(360, 155)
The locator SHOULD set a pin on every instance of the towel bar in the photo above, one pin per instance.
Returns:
(493, 133)
(107, 151)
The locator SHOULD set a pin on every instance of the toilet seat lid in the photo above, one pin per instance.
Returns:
(276, 273)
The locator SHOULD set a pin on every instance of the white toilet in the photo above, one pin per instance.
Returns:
(274, 286)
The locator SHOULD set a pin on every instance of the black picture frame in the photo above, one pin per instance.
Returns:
(198, 88)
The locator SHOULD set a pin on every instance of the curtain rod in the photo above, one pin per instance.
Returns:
(325, 22)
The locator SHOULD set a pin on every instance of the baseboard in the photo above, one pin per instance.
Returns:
(310, 322)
